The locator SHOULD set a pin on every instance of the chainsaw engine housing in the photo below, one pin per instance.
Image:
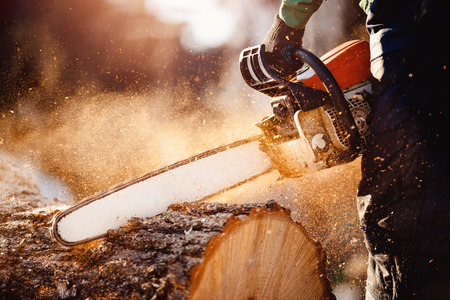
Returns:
(309, 130)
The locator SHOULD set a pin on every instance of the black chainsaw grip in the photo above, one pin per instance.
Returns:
(336, 96)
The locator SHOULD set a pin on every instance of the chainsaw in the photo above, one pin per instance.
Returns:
(319, 120)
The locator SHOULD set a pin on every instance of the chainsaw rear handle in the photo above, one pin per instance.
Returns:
(336, 96)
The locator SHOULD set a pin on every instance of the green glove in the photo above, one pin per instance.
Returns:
(286, 33)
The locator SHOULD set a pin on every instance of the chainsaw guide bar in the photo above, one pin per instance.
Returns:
(193, 179)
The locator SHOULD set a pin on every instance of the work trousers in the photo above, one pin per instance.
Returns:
(404, 194)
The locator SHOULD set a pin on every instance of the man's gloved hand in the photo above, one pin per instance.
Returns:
(279, 42)
(287, 33)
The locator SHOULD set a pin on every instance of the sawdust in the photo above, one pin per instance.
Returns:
(19, 190)
(92, 142)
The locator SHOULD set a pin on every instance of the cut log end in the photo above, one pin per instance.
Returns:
(265, 255)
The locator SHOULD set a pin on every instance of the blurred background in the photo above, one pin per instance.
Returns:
(95, 92)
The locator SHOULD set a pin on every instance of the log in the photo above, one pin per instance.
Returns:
(192, 251)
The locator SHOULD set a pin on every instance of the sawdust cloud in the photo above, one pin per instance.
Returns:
(95, 141)
(96, 94)
(92, 137)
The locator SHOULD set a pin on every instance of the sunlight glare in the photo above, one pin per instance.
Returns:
(208, 24)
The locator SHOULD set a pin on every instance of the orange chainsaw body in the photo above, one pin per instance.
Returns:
(349, 63)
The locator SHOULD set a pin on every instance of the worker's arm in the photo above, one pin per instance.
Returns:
(296, 13)
(287, 32)
(365, 5)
